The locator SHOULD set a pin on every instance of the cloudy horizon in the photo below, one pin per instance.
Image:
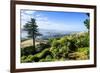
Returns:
(64, 21)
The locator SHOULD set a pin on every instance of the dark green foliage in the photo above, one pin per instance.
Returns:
(23, 59)
(27, 51)
(88, 14)
(41, 46)
(32, 29)
(83, 40)
(56, 44)
(48, 58)
(50, 40)
(87, 22)
(70, 47)
(80, 54)
(59, 48)
(37, 57)
(43, 53)
(29, 58)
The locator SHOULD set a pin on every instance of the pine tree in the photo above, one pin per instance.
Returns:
(32, 29)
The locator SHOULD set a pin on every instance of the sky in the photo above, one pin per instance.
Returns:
(52, 20)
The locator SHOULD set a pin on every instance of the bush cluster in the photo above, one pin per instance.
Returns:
(69, 47)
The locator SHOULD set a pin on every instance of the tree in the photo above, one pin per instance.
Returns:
(87, 22)
(32, 29)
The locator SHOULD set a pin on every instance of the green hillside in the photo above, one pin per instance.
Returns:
(69, 47)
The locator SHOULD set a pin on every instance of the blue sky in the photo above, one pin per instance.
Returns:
(63, 21)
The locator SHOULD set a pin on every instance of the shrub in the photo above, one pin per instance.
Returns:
(27, 51)
(48, 58)
(59, 52)
(55, 52)
(43, 53)
(30, 58)
(63, 51)
(85, 50)
(83, 40)
(64, 41)
(23, 59)
(72, 45)
(55, 43)
(41, 46)
(81, 54)
(50, 40)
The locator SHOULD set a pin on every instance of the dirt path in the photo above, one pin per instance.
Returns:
(28, 43)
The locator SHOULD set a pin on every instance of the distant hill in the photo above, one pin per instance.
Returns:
(47, 33)
(29, 42)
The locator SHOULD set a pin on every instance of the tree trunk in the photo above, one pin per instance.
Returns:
(33, 41)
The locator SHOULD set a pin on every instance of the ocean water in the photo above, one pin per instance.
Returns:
(48, 33)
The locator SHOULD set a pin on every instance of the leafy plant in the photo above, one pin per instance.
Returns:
(81, 54)
(70, 47)
(42, 46)
(27, 51)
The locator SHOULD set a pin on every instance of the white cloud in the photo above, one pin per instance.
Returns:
(26, 12)
(44, 22)
(55, 26)
(27, 15)
(58, 26)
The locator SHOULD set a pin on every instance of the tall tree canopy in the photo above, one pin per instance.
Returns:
(87, 22)
(32, 29)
